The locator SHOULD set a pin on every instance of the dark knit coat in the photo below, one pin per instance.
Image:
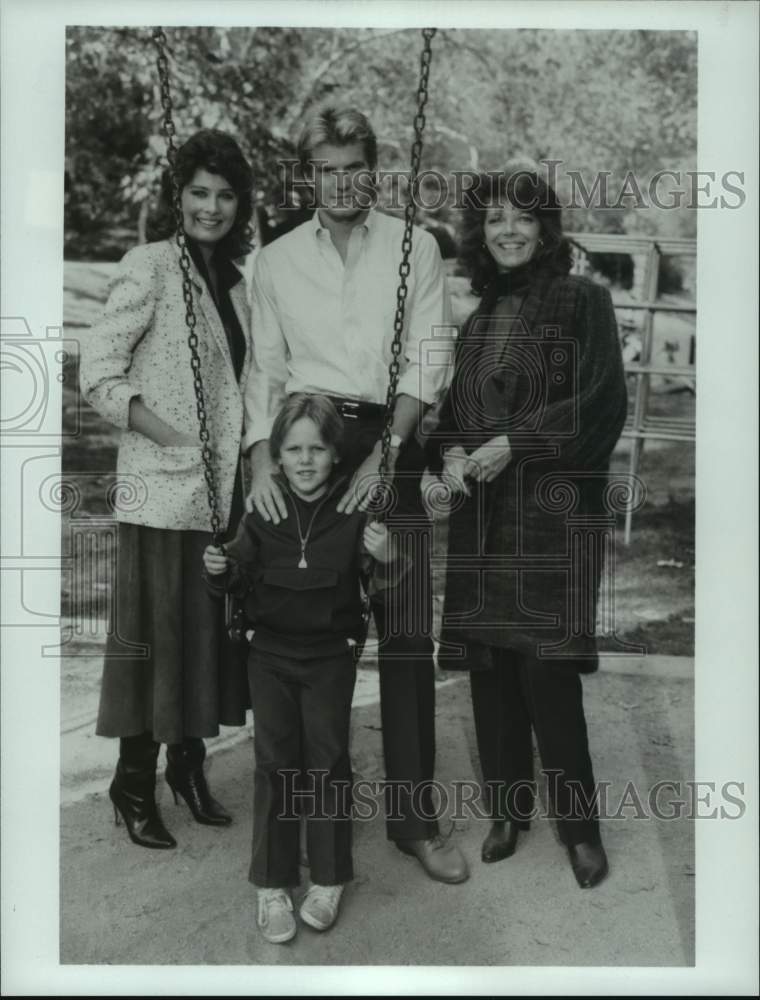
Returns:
(526, 551)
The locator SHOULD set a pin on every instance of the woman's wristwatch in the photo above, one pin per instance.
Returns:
(396, 441)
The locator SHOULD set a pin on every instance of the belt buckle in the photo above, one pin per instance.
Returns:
(347, 406)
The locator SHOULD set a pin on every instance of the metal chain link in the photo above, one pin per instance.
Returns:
(410, 213)
(162, 62)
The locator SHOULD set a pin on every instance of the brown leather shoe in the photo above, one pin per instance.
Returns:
(589, 864)
(442, 861)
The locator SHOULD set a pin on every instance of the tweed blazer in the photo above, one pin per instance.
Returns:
(139, 348)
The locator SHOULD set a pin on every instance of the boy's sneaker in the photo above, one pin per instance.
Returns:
(319, 908)
(276, 921)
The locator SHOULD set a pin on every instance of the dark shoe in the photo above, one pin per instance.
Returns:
(500, 842)
(184, 775)
(440, 859)
(589, 864)
(133, 797)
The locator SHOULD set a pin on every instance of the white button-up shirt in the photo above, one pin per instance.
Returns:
(323, 326)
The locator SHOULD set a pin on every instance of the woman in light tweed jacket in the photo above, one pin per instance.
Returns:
(170, 674)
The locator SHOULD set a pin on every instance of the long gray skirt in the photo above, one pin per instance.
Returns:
(170, 666)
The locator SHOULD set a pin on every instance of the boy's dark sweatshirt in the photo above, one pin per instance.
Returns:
(304, 612)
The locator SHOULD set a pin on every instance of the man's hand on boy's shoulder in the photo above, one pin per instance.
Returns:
(265, 494)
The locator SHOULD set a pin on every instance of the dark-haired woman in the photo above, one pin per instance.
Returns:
(170, 674)
(535, 408)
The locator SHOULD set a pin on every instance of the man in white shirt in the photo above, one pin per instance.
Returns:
(324, 300)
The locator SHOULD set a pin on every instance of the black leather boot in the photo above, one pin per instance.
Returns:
(589, 863)
(501, 840)
(133, 793)
(184, 775)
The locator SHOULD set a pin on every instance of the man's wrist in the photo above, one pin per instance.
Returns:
(259, 451)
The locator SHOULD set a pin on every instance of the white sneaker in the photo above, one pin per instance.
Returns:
(319, 908)
(276, 921)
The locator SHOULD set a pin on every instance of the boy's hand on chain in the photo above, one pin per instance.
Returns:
(215, 561)
(378, 542)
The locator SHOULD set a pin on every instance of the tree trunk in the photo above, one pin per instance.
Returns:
(142, 222)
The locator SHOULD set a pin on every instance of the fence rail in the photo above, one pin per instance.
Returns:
(647, 254)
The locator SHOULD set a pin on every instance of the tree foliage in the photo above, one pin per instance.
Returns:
(618, 101)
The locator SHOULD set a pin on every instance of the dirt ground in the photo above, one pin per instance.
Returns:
(122, 905)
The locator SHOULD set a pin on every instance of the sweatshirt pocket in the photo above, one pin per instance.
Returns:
(297, 601)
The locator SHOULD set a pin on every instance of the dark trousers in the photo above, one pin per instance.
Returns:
(301, 718)
(519, 692)
(404, 630)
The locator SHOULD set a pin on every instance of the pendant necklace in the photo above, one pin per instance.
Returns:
(304, 538)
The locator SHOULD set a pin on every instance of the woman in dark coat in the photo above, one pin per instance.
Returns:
(535, 408)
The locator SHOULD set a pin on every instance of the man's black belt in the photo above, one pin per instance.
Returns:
(357, 409)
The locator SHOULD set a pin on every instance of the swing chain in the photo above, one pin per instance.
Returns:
(159, 39)
(410, 213)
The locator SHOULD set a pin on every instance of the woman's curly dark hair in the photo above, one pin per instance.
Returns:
(523, 189)
(218, 153)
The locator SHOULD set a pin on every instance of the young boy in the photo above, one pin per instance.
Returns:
(301, 580)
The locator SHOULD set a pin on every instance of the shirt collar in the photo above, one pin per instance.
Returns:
(318, 229)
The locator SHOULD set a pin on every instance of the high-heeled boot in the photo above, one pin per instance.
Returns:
(185, 776)
(133, 793)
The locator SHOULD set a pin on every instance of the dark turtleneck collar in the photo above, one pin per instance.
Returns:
(515, 281)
